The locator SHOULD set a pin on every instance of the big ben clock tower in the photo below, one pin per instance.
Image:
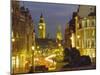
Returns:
(41, 28)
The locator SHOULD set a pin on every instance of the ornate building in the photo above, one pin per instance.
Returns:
(81, 31)
(85, 36)
(42, 28)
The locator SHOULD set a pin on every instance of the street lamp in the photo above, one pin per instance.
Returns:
(37, 47)
(13, 40)
(59, 44)
(13, 63)
(33, 48)
(78, 36)
(13, 58)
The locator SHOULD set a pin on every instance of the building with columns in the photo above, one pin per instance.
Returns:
(85, 35)
(82, 31)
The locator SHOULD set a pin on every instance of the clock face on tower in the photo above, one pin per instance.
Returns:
(40, 27)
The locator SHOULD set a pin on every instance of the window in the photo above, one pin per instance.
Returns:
(93, 44)
(84, 23)
(93, 33)
(87, 22)
(93, 22)
(88, 44)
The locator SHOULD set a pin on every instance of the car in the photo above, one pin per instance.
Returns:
(40, 68)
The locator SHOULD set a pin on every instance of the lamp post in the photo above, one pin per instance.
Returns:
(13, 40)
(13, 64)
(13, 58)
(33, 63)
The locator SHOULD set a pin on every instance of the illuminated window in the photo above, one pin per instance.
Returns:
(93, 33)
(17, 61)
(93, 44)
(87, 22)
(90, 42)
(93, 22)
(83, 23)
(86, 44)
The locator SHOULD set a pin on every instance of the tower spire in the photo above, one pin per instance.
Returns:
(41, 18)
(41, 15)
(59, 34)
(41, 27)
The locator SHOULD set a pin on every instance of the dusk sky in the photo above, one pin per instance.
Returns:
(54, 15)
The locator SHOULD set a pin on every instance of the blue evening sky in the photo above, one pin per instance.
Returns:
(54, 15)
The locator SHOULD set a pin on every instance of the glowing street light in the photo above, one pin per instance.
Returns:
(78, 36)
(59, 44)
(13, 63)
(72, 38)
(33, 48)
(33, 64)
(37, 47)
(17, 62)
(77, 47)
(13, 40)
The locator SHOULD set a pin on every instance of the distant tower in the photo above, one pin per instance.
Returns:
(59, 34)
(42, 28)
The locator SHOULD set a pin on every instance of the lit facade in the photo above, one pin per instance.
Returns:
(42, 28)
(22, 37)
(85, 36)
